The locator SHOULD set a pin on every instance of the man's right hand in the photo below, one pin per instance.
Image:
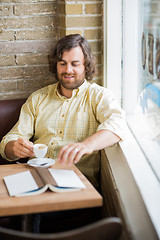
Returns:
(20, 148)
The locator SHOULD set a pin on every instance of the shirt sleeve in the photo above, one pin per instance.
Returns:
(24, 128)
(108, 112)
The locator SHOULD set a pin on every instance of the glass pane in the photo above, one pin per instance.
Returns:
(145, 124)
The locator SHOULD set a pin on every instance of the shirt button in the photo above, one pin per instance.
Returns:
(60, 132)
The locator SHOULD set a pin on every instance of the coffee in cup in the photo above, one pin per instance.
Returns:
(40, 150)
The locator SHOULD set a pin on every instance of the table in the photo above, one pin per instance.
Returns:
(47, 201)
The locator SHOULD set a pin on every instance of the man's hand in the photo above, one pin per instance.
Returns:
(72, 153)
(21, 148)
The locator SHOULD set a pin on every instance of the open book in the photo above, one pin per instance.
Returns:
(39, 180)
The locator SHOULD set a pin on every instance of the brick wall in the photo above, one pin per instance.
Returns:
(30, 28)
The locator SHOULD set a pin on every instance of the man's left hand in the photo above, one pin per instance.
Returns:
(72, 153)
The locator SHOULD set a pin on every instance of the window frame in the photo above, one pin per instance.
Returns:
(112, 78)
(126, 90)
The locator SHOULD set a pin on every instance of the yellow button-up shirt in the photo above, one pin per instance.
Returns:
(55, 120)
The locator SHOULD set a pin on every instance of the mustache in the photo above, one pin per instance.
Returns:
(68, 74)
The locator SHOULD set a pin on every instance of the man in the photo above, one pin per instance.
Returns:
(73, 117)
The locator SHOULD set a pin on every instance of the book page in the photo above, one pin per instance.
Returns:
(66, 178)
(20, 183)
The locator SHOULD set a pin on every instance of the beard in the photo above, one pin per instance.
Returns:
(71, 81)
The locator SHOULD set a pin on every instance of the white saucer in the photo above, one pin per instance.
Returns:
(35, 162)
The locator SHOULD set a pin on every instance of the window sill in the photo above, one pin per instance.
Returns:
(138, 189)
(147, 182)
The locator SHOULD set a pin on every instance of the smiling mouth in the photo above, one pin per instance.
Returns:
(68, 76)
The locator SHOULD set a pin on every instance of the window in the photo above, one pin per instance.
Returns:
(133, 69)
(141, 75)
(132, 47)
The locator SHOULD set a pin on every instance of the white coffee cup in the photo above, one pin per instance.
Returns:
(40, 150)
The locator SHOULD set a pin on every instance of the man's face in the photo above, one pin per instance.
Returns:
(71, 69)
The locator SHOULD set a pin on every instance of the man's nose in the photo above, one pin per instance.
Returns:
(69, 68)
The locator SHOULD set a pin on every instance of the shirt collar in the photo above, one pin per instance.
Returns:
(75, 92)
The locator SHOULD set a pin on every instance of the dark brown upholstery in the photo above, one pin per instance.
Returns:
(9, 114)
(106, 229)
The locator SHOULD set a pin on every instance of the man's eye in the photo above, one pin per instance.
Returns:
(75, 64)
(62, 63)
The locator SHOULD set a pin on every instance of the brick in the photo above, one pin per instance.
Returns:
(26, 47)
(6, 10)
(73, 31)
(84, 21)
(8, 86)
(36, 34)
(99, 71)
(93, 33)
(7, 60)
(31, 85)
(32, 9)
(17, 89)
(93, 8)
(74, 9)
(6, 35)
(24, 72)
(31, 59)
(28, 22)
(96, 46)
(98, 57)
(13, 95)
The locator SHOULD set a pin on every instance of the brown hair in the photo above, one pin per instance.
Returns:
(68, 42)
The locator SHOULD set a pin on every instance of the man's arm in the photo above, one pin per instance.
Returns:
(72, 153)
(16, 139)
(20, 148)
